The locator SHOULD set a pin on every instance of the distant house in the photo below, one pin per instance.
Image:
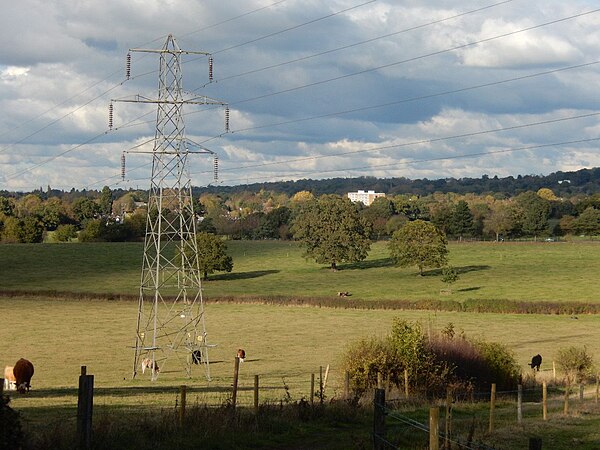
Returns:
(366, 197)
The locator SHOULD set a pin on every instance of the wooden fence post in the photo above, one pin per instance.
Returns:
(434, 428)
(535, 443)
(567, 391)
(553, 371)
(256, 394)
(379, 420)
(492, 406)
(520, 403)
(312, 388)
(379, 380)
(85, 402)
(545, 401)
(406, 383)
(581, 390)
(182, 398)
(321, 385)
(236, 374)
(448, 425)
(347, 385)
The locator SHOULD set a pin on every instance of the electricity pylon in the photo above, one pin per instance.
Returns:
(170, 321)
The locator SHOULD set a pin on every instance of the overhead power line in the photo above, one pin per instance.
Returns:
(367, 41)
(415, 58)
(418, 142)
(53, 108)
(419, 161)
(393, 146)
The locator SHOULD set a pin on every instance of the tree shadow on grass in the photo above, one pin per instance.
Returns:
(242, 275)
(369, 264)
(469, 289)
(459, 270)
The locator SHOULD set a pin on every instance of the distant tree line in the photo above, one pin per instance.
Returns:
(564, 184)
(119, 215)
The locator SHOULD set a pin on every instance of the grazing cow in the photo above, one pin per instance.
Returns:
(10, 382)
(536, 362)
(23, 372)
(196, 356)
(241, 354)
(148, 364)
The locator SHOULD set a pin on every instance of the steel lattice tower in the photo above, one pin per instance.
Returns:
(171, 322)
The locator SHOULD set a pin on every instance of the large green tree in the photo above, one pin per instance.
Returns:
(501, 219)
(331, 230)
(212, 254)
(461, 220)
(588, 222)
(420, 244)
(105, 201)
(536, 211)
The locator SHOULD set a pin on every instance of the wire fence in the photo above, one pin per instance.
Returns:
(470, 420)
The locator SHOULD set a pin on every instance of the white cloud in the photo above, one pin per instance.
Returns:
(63, 61)
(526, 49)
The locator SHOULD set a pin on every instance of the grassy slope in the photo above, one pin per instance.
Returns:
(488, 271)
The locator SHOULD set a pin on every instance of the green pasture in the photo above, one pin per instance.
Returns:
(284, 345)
(543, 271)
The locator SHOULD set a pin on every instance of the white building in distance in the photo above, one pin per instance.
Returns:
(365, 197)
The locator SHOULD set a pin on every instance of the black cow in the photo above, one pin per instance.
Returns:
(196, 356)
(536, 362)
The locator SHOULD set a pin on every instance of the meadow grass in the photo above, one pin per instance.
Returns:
(488, 271)
(284, 345)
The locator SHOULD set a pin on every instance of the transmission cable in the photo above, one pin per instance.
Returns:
(441, 158)
(356, 44)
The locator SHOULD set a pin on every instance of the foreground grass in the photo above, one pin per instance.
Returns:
(284, 344)
(542, 272)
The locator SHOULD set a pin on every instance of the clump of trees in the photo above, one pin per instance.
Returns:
(263, 214)
(331, 230)
(434, 363)
(420, 244)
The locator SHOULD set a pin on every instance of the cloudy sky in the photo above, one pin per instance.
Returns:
(316, 89)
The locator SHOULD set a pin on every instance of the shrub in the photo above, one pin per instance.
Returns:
(502, 366)
(575, 362)
(64, 233)
(11, 434)
(364, 358)
(433, 365)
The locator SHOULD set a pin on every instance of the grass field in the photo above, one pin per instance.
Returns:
(557, 272)
(284, 344)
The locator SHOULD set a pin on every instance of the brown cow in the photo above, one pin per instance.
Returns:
(147, 363)
(23, 371)
(241, 353)
(10, 384)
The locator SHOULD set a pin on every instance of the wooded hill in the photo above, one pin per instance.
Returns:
(563, 184)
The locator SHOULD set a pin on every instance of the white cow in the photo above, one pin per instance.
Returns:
(10, 382)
